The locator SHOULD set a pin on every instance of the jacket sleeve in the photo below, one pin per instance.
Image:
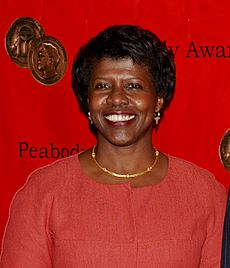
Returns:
(225, 258)
(27, 242)
(211, 250)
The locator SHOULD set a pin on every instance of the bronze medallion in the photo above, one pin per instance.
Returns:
(224, 150)
(47, 60)
(20, 37)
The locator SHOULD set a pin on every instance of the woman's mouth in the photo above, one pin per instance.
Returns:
(118, 118)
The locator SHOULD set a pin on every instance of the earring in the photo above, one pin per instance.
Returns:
(90, 118)
(157, 117)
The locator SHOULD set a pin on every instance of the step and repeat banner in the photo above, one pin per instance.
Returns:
(39, 116)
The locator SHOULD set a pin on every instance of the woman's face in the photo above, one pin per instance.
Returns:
(122, 101)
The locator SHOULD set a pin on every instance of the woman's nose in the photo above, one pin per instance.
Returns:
(117, 97)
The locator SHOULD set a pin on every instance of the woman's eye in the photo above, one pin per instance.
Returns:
(134, 86)
(102, 85)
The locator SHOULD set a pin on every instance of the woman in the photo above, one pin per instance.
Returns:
(122, 203)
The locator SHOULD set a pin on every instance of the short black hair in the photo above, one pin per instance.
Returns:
(125, 41)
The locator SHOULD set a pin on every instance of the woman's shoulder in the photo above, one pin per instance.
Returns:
(193, 175)
(55, 175)
(59, 166)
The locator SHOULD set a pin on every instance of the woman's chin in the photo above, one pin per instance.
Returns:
(120, 140)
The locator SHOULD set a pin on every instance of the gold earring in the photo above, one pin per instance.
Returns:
(157, 117)
(90, 118)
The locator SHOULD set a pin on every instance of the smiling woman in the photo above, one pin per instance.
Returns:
(122, 102)
(121, 203)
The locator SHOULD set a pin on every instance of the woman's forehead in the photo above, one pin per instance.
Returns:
(107, 65)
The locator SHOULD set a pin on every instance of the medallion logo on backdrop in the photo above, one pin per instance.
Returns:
(48, 151)
(195, 50)
(29, 47)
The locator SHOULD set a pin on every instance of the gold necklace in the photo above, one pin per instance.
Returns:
(127, 176)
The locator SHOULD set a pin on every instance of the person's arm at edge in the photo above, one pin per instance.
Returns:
(211, 250)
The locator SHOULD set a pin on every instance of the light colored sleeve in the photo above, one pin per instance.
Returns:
(211, 250)
(26, 241)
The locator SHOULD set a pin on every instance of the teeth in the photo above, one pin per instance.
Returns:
(119, 117)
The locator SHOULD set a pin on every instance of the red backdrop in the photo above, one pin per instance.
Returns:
(34, 115)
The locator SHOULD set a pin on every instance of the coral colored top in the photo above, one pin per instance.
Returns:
(62, 218)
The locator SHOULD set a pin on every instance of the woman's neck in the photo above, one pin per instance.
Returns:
(125, 159)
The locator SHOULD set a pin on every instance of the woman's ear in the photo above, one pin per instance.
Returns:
(159, 104)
